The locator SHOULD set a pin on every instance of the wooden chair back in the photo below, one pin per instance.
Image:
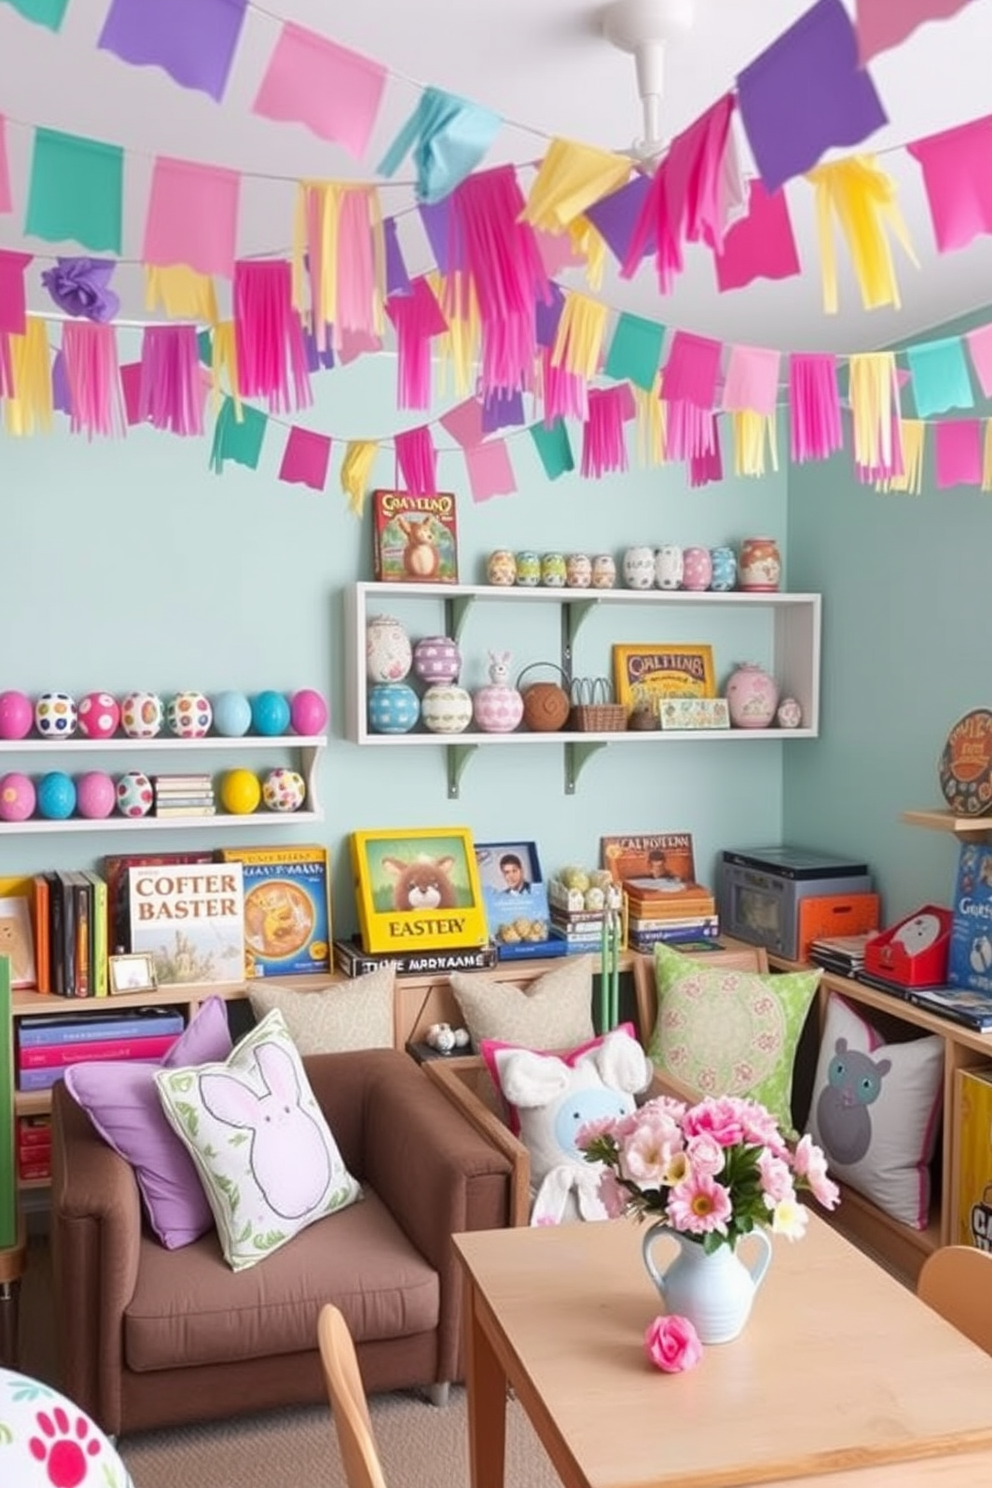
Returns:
(956, 1281)
(739, 958)
(349, 1407)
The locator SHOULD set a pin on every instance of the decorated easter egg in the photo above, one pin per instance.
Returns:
(96, 794)
(308, 711)
(17, 797)
(135, 796)
(394, 708)
(55, 715)
(189, 715)
(446, 709)
(270, 713)
(284, 790)
(240, 792)
(232, 714)
(388, 653)
(99, 715)
(141, 715)
(56, 795)
(436, 659)
(16, 715)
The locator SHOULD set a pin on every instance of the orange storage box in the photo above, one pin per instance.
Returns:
(835, 914)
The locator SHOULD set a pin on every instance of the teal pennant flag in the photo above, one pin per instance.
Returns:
(205, 347)
(553, 446)
(237, 440)
(940, 376)
(50, 13)
(448, 137)
(75, 191)
(635, 351)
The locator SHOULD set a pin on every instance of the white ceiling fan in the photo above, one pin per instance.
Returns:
(645, 28)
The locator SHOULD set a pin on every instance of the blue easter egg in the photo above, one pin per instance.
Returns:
(56, 796)
(232, 714)
(270, 713)
(393, 708)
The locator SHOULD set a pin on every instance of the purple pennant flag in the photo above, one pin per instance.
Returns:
(501, 409)
(61, 396)
(807, 93)
(548, 316)
(317, 360)
(614, 216)
(435, 217)
(194, 41)
(397, 278)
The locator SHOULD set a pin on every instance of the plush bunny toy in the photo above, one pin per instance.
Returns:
(554, 1100)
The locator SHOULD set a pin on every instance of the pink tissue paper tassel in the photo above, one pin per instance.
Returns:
(7, 389)
(707, 465)
(815, 430)
(172, 392)
(565, 394)
(417, 460)
(604, 447)
(690, 431)
(416, 317)
(268, 336)
(500, 254)
(90, 356)
(883, 470)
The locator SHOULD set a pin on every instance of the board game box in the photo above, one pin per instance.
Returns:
(287, 909)
(414, 537)
(969, 957)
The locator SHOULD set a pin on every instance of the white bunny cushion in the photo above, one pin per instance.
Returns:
(266, 1157)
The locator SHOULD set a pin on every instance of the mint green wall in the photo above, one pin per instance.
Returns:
(127, 564)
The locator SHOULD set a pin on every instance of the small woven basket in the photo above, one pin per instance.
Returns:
(592, 710)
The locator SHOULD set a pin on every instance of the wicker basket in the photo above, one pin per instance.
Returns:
(592, 711)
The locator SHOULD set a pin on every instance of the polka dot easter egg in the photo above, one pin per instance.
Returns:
(189, 715)
(55, 715)
(99, 715)
(141, 715)
(284, 790)
(134, 794)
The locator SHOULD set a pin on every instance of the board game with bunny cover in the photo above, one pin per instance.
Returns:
(415, 537)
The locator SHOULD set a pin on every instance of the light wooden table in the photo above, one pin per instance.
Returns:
(842, 1378)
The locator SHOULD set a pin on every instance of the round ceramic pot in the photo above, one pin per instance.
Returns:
(760, 565)
(723, 561)
(789, 714)
(528, 569)
(436, 659)
(501, 568)
(578, 571)
(752, 696)
(394, 708)
(697, 568)
(669, 566)
(638, 568)
(446, 709)
(388, 653)
(604, 571)
(554, 570)
(497, 708)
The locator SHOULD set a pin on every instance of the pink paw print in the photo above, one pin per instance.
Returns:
(63, 1448)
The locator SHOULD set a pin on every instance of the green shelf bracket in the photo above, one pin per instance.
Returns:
(572, 616)
(457, 756)
(576, 754)
(455, 613)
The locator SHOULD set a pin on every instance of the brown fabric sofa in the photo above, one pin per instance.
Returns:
(150, 1337)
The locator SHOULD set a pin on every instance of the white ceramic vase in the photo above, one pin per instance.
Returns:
(716, 1291)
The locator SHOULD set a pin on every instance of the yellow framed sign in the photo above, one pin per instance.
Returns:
(646, 673)
(418, 889)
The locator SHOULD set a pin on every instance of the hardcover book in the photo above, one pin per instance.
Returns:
(657, 869)
(353, 961)
(414, 537)
(190, 919)
(115, 871)
(287, 909)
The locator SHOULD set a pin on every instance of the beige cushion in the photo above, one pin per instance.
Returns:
(553, 1012)
(341, 1015)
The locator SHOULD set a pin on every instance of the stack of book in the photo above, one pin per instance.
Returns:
(652, 919)
(843, 954)
(34, 1147)
(48, 1045)
(184, 795)
(663, 901)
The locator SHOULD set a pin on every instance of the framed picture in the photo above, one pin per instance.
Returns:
(418, 889)
(515, 896)
(646, 673)
(132, 973)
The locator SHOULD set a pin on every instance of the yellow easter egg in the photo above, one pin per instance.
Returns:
(240, 792)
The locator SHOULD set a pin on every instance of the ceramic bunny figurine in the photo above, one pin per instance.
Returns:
(498, 707)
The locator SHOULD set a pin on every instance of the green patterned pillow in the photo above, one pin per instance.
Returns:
(726, 1032)
(259, 1142)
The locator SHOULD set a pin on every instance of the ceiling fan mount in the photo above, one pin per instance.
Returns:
(644, 28)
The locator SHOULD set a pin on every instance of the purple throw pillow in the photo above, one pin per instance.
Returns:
(121, 1099)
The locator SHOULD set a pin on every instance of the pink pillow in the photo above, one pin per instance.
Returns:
(489, 1048)
(121, 1099)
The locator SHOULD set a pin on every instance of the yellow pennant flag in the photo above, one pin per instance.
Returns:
(182, 293)
(589, 242)
(874, 393)
(356, 469)
(458, 347)
(651, 431)
(862, 196)
(751, 433)
(224, 359)
(579, 339)
(570, 178)
(987, 457)
(913, 435)
(30, 409)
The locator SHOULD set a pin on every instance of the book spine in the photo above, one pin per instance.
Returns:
(30, 1170)
(32, 1034)
(640, 940)
(44, 1056)
(354, 962)
(44, 1077)
(38, 1134)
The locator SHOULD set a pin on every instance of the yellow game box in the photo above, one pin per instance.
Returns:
(418, 889)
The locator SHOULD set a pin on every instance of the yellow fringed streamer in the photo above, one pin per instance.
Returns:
(356, 469)
(752, 431)
(874, 393)
(571, 177)
(588, 241)
(651, 432)
(863, 197)
(458, 347)
(182, 292)
(912, 432)
(987, 457)
(579, 339)
(225, 359)
(30, 410)
(333, 299)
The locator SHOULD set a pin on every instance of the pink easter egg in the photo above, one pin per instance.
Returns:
(307, 711)
(16, 715)
(99, 715)
(17, 797)
(96, 794)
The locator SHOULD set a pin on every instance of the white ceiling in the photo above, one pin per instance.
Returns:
(543, 64)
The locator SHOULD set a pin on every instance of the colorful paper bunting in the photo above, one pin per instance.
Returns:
(957, 181)
(806, 93)
(548, 316)
(272, 359)
(692, 369)
(604, 445)
(759, 246)
(874, 396)
(958, 453)
(13, 295)
(224, 363)
(464, 423)
(89, 354)
(306, 458)
(635, 350)
(755, 440)
(489, 471)
(194, 41)
(987, 457)
(339, 255)
(237, 438)
(815, 430)
(171, 391)
(417, 460)
(616, 215)
(416, 318)
(652, 434)
(979, 343)
(397, 278)
(48, 13)
(752, 381)
(569, 179)
(317, 360)
(581, 332)
(689, 429)
(862, 196)
(192, 217)
(940, 376)
(458, 348)
(705, 467)
(81, 287)
(356, 471)
(912, 435)
(6, 199)
(29, 408)
(564, 394)
(502, 410)
(75, 190)
(448, 137)
(553, 447)
(61, 397)
(131, 393)
(435, 218)
(881, 24)
(312, 81)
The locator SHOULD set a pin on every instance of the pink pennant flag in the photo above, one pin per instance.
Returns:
(192, 217)
(417, 318)
(957, 181)
(752, 379)
(417, 460)
(692, 369)
(464, 423)
(689, 430)
(305, 458)
(958, 452)
(604, 447)
(13, 296)
(760, 245)
(355, 344)
(172, 393)
(335, 93)
(131, 389)
(815, 429)
(89, 354)
(979, 344)
(6, 200)
(489, 470)
(557, 252)
(882, 24)
(268, 336)
(706, 467)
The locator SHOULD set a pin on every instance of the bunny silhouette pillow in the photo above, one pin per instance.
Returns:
(263, 1152)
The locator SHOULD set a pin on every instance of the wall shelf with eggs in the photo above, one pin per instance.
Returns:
(788, 626)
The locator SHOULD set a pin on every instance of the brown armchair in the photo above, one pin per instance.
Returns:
(151, 1337)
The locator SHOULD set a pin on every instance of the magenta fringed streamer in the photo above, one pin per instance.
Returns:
(707, 465)
(416, 317)
(689, 431)
(603, 445)
(6, 370)
(271, 352)
(815, 430)
(683, 204)
(892, 469)
(89, 354)
(565, 394)
(417, 460)
(692, 369)
(172, 393)
(500, 255)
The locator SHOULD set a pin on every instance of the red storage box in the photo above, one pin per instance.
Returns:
(913, 953)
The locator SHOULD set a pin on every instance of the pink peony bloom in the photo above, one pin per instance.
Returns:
(705, 1154)
(719, 1116)
(672, 1343)
(809, 1162)
(612, 1195)
(600, 1126)
(776, 1177)
(699, 1205)
(648, 1150)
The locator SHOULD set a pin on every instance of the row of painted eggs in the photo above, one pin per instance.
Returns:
(56, 796)
(390, 655)
(141, 715)
(394, 708)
